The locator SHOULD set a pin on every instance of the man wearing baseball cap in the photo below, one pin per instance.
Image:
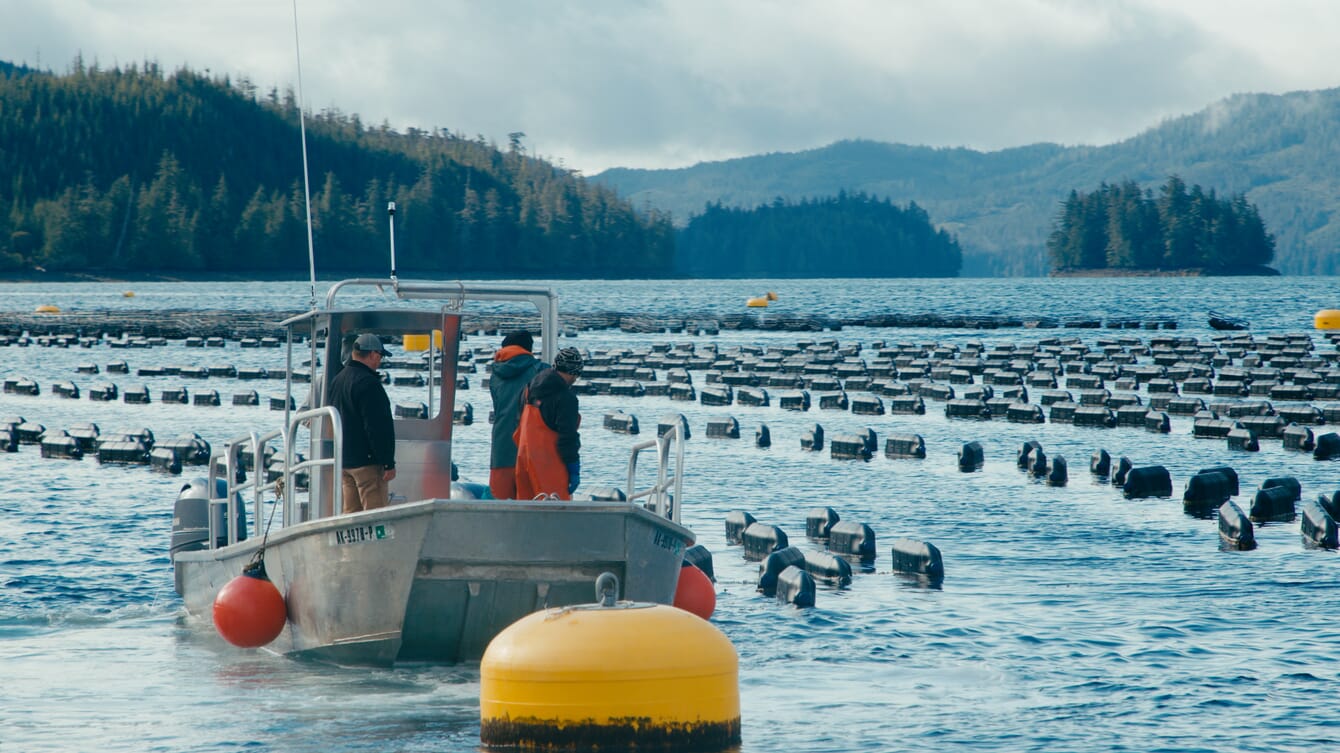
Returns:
(368, 453)
(547, 442)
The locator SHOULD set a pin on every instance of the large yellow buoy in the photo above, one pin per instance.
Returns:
(1327, 319)
(419, 342)
(761, 302)
(47, 308)
(610, 676)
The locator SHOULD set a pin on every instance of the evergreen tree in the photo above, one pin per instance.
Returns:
(215, 230)
(165, 221)
(1181, 229)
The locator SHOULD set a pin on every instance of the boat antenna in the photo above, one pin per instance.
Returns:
(306, 181)
(390, 218)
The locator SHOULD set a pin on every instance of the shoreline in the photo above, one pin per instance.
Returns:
(183, 323)
(1256, 271)
(331, 275)
(27, 277)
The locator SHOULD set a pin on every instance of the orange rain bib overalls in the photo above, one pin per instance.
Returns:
(539, 470)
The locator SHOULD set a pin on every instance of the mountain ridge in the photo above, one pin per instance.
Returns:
(1276, 149)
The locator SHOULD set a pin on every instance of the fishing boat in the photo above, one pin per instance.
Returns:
(1225, 322)
(434, 576)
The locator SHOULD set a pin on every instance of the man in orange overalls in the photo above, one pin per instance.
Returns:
(547, 442)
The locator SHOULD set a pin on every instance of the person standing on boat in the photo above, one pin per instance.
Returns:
(514, 365)
(547, 443)
(368, 453)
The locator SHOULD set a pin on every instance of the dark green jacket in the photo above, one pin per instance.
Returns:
(510, 376)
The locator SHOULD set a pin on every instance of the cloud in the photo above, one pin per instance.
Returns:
(670, 82)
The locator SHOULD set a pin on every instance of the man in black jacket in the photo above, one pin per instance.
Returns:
(368, 452)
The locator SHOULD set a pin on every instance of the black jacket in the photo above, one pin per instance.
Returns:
(365, 412)
(558, 407)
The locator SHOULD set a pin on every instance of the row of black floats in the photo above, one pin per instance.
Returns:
(133, 447)
(1209, 494)
(790, 574)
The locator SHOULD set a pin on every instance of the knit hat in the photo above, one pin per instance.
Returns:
(520, 337)
(569, 361)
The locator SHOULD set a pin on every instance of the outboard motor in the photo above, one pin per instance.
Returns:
(467, 490)
(190, 521)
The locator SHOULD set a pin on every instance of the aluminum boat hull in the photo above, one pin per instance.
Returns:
(436, 580)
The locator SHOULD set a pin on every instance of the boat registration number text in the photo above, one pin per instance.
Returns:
(666, 541)
(361, 534)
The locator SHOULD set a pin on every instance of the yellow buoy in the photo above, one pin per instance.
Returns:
(1327, 319)
(419, 342)
(47, 308)
(772, 296)
(623, 675)
(757, 303)
(128, 294)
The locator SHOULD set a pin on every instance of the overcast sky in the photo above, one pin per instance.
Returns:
(668, 83)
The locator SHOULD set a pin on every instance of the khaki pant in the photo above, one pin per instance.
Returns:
(364, 488)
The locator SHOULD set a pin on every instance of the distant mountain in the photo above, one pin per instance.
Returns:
(1281, 151)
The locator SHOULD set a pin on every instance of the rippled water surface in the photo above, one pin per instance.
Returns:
(1070, 619)
(1270, 304)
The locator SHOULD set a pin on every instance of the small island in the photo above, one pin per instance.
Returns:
(851, 234)
(1120, 230)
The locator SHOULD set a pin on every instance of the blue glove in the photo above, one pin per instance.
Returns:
(574, 476)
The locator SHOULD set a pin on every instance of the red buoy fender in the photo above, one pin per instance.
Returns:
(249, 611)
(695, 592)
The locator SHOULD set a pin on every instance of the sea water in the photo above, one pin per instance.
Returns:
(1070, 619)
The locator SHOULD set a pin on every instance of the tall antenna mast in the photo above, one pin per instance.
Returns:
(390, 217)
(306, 182)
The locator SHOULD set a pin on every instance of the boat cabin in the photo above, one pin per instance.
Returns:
(426, 321)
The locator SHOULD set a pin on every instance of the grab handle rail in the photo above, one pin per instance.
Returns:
(335, 461)
(660, 499)
(233, 490)
(258, 486)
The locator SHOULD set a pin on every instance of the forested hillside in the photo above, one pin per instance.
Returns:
(132, 169)
(1279, 151)
(850, 235)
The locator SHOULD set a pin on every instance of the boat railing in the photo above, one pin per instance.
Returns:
(282, 488)
(297, 511)
(256, 485)
(454, 295)
(663, 497)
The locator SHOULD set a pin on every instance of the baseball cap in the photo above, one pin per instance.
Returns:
(370, 343)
